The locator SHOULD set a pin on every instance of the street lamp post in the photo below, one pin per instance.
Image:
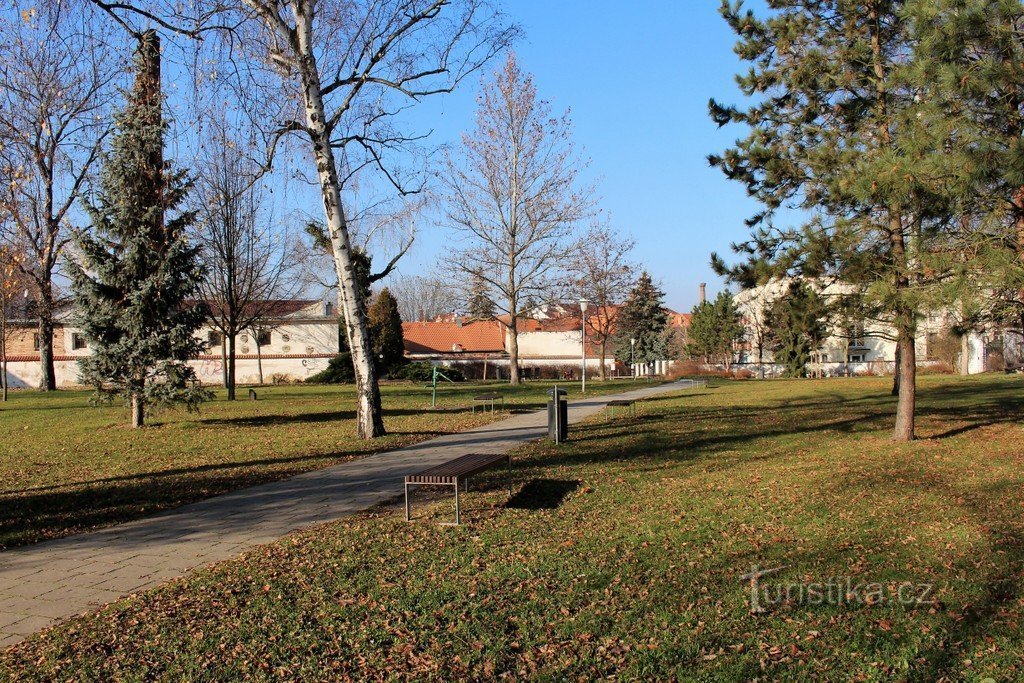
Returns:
(632, 361)
(583, 320)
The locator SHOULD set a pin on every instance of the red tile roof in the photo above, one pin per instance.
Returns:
(449, 337)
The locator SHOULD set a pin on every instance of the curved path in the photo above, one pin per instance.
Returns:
(44, 583)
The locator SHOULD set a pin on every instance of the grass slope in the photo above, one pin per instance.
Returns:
(621, 555)
(67, 466)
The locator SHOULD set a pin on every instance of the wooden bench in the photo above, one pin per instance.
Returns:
(483, 399)
(455, 472)
(623, 403)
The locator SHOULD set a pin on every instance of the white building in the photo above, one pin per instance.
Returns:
(294, 341)
(868, 347)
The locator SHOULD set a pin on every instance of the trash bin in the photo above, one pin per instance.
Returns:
(558, 415)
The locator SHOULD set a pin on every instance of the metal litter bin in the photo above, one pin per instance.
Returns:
(558, 415)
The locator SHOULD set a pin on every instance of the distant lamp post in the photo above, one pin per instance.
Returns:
(583, 319)
(632, 351)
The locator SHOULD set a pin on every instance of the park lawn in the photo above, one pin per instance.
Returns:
(67, 466)
(620, 556)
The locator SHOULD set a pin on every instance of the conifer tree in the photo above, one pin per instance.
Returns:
(970, 62)
(386, 331)
(138, 270)
(644, 319)
(797, 327)
(715, 328)
(834, 133)
(480, 305)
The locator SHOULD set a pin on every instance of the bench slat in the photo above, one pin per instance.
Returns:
(464, 466)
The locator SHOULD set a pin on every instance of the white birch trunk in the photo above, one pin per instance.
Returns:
(369, 421)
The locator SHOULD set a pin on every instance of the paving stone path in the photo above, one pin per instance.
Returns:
(50, 581)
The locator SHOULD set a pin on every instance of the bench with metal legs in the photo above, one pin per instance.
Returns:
(454, 473)
(623, 403)
(484, 399)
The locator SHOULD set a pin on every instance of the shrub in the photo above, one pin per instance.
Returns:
(339, 371)
(937, 367)
(424, 372)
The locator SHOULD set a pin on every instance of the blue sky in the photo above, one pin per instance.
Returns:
(637, 81)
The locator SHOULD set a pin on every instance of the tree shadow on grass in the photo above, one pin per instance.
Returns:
(542, 494)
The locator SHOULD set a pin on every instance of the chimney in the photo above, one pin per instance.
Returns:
(703, 292)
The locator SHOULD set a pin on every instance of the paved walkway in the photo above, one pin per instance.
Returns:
(44, 583)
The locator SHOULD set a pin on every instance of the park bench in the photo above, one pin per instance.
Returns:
(456, 472)
(483, 399)
(623, 403)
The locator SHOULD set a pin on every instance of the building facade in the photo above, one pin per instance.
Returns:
(296, 339)
(868, 347)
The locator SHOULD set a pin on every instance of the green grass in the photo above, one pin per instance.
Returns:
(67, 466)
(620, 556)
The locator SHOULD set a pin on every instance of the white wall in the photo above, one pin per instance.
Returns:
(550, 344)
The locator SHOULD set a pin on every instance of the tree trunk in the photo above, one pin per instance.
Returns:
(603, 373)
(896, 372)
(3, 353)
(230, 366)
(138, 411)
(513, 353)
(259, 361)
(907, 372)
(48, 375)
(965, 354)
(224, 361)
(369, 420)
(3, 357)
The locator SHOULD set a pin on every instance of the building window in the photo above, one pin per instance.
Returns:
(263, 339)
(285, 338)
(856, 357)
(78, 342)
(214, 338)
(35, 341)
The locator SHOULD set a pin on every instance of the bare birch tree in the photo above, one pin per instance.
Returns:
(56, 85)
(342, 72)
(515, 197)
(604, 274)
(249, 259)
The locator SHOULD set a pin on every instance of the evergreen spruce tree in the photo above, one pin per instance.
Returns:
(386, 331)
(797, 327)
(840, 132)
(481, 306)
(715, 327)
(137, 269)
(644, 319)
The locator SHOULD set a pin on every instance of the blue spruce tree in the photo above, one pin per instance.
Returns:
(137, 269)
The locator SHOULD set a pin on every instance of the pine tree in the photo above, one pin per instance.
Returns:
(386, 331)
(137, 269)
(970, 63)
(715, 327)
(481, 306)
(797, 327)
(643, 319)
(835, 134)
